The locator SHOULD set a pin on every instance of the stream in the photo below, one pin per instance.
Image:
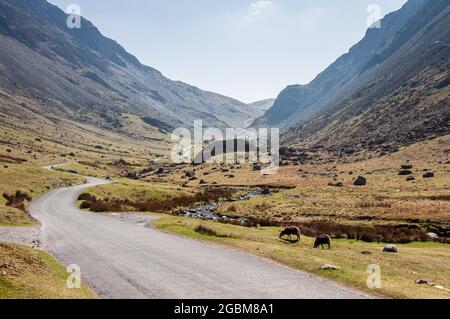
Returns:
(209, 211)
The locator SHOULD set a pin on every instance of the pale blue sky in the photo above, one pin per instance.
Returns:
(246, 49)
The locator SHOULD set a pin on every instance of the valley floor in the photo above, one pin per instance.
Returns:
(301, 194)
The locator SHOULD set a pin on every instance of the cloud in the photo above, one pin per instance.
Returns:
(258, 8)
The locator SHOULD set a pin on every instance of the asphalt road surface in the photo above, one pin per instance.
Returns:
(123, 260)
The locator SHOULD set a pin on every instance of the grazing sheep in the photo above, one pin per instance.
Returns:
(289, 231)
(323, 240)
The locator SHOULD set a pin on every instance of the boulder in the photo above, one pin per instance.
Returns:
(390, 249)
(422, 282)
(190, 174)
(410, 178)
(428, 175)
(257, 167)
(432, 236)
(360, 181)
(405, 172)
(407, 166)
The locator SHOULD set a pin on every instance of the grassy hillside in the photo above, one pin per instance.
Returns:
(26, 273)
(31, 181)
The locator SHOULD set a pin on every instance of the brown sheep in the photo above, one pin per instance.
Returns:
(290, 231)
(323, 240)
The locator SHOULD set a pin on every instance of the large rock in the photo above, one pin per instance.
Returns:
(360, 181)
(432, 236)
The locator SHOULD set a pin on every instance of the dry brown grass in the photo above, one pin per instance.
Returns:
(388, 199)
(29, 273)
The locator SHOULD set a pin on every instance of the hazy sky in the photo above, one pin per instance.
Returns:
(246, 49)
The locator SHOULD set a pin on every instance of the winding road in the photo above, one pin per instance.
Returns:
(123, 260)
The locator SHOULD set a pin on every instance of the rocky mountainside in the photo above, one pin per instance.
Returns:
(402, 95)
(80, 75)
(258, 109)
(391, 89)
(300, 102)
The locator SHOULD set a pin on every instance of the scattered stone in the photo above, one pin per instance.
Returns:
(405, 172)
(390, 249)
(360, 181)
(337, 184)
(428, 175)
(190, 174)
(257, 167)
(329, 267)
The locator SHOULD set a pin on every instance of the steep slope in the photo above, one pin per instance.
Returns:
(79, 75)
(401, 96)
(300, 102)
(258, 109)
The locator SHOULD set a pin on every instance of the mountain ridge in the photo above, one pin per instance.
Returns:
(401, 100)
(80, 75)
(300, 102)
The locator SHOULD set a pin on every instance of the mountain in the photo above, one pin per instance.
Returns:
(262, 105)
(80, 75)
(300, 102)
(258, 109)
(391, 89)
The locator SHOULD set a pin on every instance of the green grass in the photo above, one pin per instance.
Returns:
(399, 271)
(32, 180)
(137, 191)
(26, 273)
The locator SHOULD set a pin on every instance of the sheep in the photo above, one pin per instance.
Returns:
(289, 231)
(323, 240)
